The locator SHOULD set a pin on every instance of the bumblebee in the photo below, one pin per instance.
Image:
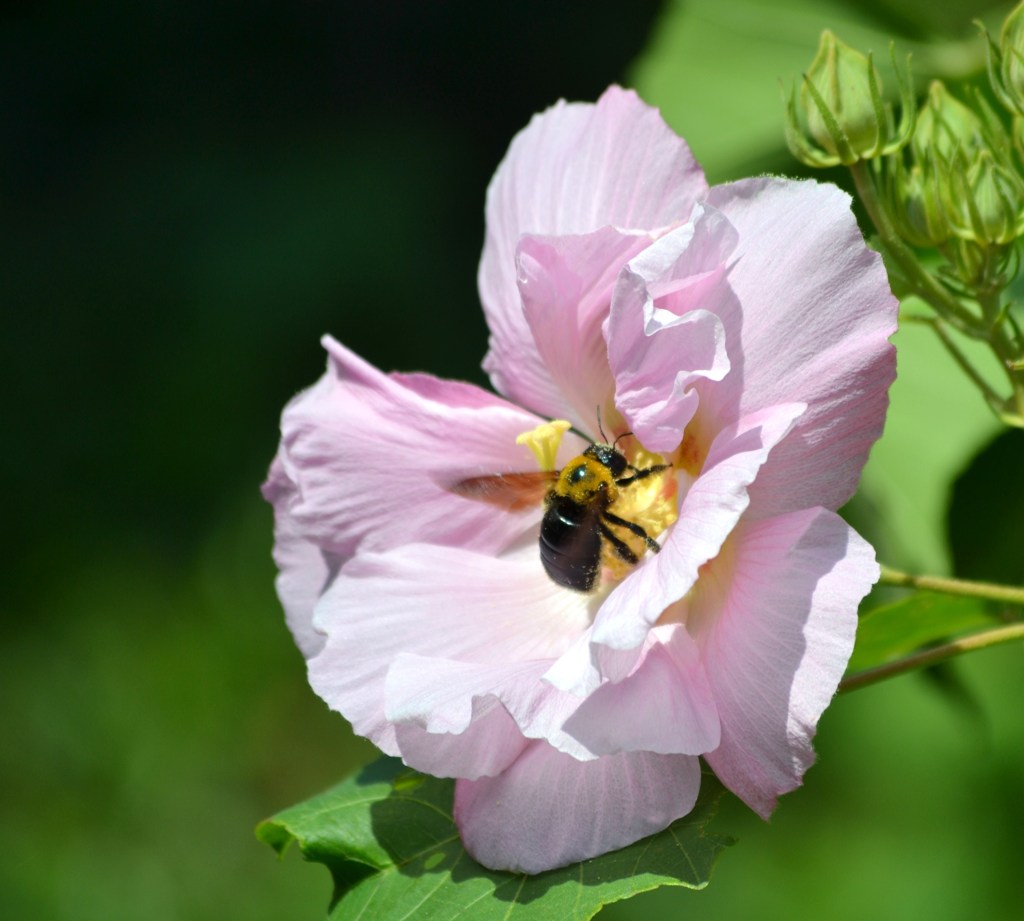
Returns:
(577, 518)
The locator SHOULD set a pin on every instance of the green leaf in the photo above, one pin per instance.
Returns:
(987, 511)
(388, 838)
(937, 420)
(893, 630)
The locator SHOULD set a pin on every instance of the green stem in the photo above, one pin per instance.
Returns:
(975, 641)
(993, 398)
(987, 591)
(924, 285)
(1004, 346)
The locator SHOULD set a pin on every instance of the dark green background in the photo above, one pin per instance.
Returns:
(191, 193)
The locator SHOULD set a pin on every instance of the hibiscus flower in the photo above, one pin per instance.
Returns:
(737, 334)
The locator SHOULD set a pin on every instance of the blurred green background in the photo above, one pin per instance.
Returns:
(192, 193)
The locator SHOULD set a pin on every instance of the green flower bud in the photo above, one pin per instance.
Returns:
(914, 203)
(969, 260)
(945, 128)
(967, 151)
(987, 202)
(1006, 62)
(1018, 134)
(844, 116)
(846, 81)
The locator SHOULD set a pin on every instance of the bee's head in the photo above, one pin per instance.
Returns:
(609, 456)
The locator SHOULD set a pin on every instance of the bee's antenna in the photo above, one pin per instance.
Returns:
(604, 437)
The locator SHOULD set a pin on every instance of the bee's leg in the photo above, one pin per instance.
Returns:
(618, 544)
(640, 474)
(652, 544)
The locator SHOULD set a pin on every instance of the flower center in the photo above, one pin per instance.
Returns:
(634, 500)
(650, 502)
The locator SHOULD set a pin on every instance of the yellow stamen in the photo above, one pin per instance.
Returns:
(650, 503)
(544, 441)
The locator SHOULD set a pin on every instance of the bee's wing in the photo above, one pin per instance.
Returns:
(512, 491)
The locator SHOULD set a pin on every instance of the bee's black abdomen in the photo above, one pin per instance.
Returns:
(570, 543)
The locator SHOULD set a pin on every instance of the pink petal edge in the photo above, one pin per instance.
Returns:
(548, 810)
(777, 632)
(574, 169)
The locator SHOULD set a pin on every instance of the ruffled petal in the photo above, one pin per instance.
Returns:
(366, 461)
(442, 603)
(666, 705)
(446, 696)
(548, 810)
(304, 569)
(575, 169)
(566, 287)
(816, 317)
(776, 617)
(488, 745)
(708, 514)
(661, 336)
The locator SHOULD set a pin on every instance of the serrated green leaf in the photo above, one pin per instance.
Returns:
(388, 838)
(893, 630)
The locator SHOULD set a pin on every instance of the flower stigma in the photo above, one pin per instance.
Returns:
(544, 441)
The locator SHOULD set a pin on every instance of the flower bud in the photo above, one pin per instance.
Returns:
(848, 84)
(945, 127)
(987, 202)
(967, 151)
(844, 116)
(1006, 62)
(969, 261)
(1017, 134)
(914, 203)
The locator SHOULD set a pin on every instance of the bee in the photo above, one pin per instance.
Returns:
(577, 520)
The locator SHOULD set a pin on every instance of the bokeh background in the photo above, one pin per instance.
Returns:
(192, 193)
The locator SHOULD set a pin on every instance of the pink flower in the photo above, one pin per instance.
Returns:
(741, 333)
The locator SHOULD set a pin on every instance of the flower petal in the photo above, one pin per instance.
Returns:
(665, 705)
(708, 514)
(437, 602)
(548, 810)
(566, 287)
(777, 617)
(575, 169)
(659, 340)
(304, 570)
(816, 317)
(488, 745)
(446, 696)
(366, 460)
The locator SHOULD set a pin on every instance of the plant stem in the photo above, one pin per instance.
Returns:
(924, 285)
(992, 398)
(975, 641)
(1006, 349)
(987, 591)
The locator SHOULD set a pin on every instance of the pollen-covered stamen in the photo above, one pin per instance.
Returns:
(649, 502)
(544, 441)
